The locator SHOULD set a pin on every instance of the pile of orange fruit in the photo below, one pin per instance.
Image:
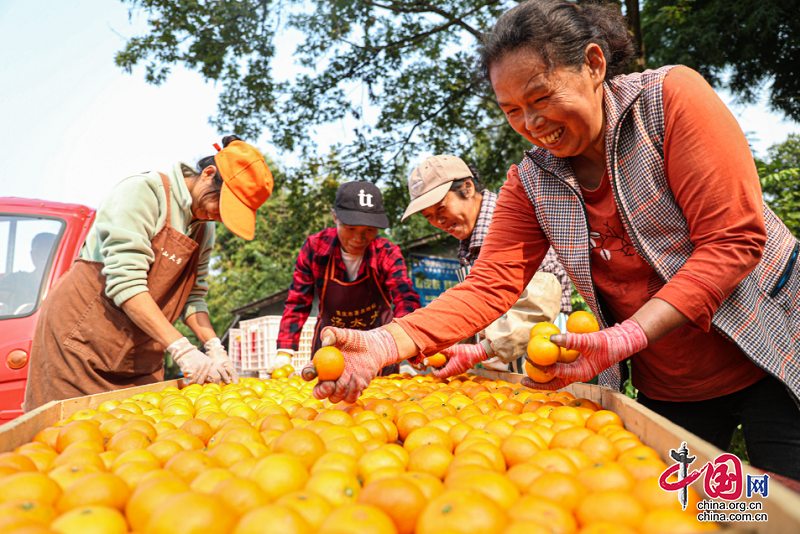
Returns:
(542, 352)
(412, 455)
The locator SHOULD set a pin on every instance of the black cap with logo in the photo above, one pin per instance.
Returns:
(360, 204)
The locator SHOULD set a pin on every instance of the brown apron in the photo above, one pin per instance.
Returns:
(359, 305)
(85, 344)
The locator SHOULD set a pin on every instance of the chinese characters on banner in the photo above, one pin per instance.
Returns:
(432, 276)
(358, 319)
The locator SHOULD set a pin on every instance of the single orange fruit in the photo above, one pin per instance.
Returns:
(565, 490)
(432, 459)
(357, 519)
(338, 488)
(198, 428)
(582, 322)
(427, 436)
(490, 483)
(189, 464)
(192, 513)
(602, 418)
(304, 444)
(606, 476)
(310, 506)
(399, 498)
(78, 431)
(207, 481)
(570, 438)
(164, 450)
(429, 485)
(279, 474)
(29, 486)
(38, 512)
(518, 449)
(240, 495)
(612, 506)
(568, 356)
(90, 519)
(543, 511)
(542, 351)
(17, 461)
(544, 329)
(598, 449)
(523, 475)
(536, 374)
(642, 467)
(328, 363)
(437, 360)
(127, 440)
(462, 512)
(95, 489)
(273, 518)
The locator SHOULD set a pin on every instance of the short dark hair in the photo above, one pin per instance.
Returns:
(208, 161)
(458, 185)
(560, 31)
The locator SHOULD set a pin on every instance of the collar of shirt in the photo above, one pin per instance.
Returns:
(180, 197)
(469, 248)
(329, 245)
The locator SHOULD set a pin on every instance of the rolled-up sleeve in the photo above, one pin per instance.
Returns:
(711, 172)
(510, 255)
(125, 226)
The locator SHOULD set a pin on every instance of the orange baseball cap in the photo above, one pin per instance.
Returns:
(247, 185)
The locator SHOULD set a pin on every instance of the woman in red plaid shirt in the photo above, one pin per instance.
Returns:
(361, 279)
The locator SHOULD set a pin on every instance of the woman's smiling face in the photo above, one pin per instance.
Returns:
(559, 109)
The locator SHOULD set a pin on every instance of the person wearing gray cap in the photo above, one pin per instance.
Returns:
(450, 194)
(361, 279)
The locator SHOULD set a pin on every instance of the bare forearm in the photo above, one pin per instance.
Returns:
(405, 347)
(658, 318)
(146, 314)
(200, 324)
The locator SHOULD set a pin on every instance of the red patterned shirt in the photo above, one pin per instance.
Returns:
(309, 275)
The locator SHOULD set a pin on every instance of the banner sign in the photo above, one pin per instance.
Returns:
(432, 276)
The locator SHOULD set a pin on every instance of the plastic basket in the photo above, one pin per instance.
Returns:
(235, 349)
(260, 342)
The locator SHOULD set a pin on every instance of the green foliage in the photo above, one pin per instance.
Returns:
(780, 181)
(753, 41)
(244, 271)
(413, 61)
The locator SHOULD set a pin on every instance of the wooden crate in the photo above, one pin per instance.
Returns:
(782, 504)
(22, 429)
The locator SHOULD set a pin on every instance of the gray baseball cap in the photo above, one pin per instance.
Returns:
(430, 182)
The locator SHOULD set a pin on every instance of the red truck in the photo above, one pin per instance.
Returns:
(39, 240)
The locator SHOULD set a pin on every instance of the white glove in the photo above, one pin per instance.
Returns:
(219, 356)
(195, 366)
(283, 357)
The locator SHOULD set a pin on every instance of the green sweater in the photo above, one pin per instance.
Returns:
(124, 228)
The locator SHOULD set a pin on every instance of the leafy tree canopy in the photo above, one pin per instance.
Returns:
(780, 181)
(416, 60)
(757, 42)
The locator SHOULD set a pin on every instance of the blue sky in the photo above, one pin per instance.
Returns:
(72, 124)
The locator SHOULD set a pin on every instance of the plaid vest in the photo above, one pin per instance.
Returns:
(761, 316)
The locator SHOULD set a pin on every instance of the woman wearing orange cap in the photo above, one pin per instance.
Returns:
(108, 321)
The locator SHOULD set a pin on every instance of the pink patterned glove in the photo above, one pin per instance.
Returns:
(365, 354)
(600, 350)
(553, 385)
(460, 359)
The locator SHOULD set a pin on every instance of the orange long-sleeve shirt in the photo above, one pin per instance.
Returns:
(713, 178)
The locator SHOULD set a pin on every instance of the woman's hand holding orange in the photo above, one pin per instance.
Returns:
(365, 354)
